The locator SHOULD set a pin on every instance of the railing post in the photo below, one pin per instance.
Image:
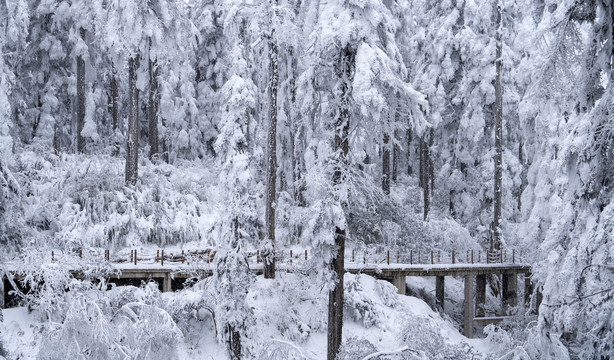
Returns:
(52, 256)
(453, 256)
(291, 256)
(305, 254)
(162, 259)
(157, 255)
(257, 256)
(513, 256)
(419, 257)
(353, 255)
(472, 256)
(388, 257)
(479, 256)
(135, 257)
(182, 256)
(432, 257)
(398, 257)
(411, 257)
(439, 256)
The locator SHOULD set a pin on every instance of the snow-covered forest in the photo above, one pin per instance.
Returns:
(252, 126)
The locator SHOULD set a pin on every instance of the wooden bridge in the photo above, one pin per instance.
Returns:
(171, 271)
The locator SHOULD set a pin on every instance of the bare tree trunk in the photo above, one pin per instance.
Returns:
(115, 113)
(386, 165)
(268, 253)
(132, 138)
(152, 113)
(80, 98)
(425, 173)
(498, 133)
(410, 171)
(395, 162)
(344, 70)
(234, 343)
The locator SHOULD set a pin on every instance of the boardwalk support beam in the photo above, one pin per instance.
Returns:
(440, 282)
(166, 285)
(468, 307)
(480, 295)
(510, 290)
(398, 280)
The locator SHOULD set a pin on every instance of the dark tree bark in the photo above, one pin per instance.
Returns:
(268, 253)
(152, 110)
(132, 137)
(498, 134)
(234, 343)
(425, 172)
(115, 113)
(386, 165)
(410, 171)
(344, 70)
(80, 98)
(395, 162)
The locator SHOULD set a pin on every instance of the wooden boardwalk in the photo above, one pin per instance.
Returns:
(172, 273)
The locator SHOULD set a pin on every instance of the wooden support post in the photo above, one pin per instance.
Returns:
(305, 254)
(398, 280)
(398, 257)
(411, 257)
(419, 257)
(52, 256)
(353, 255)
(467, 258)
(509, 290)
(182, 256)
(388, 257)
(2, 293)
(432, 262)
(472, 256)
(167, 282)
(135, 257)
(479, 256)
(513, 256)
(440, 282)
(162, 259)
(157, 255)
(291, 256)
(131, 255)
(468, 307)
(453, 256)
(480, 295)
(528, 289)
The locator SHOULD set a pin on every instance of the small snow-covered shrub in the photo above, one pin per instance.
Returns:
(358, 304)
(356, 348)
(423, 333)
(125, 322)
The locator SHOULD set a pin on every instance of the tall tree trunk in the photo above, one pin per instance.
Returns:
(152, 113)
(345, 72)
(425, 173)
(268, 253)
(132, 137)
(386, 165)
(80, 98)
(410, 171)
(115, 113)
(395, 162)
(495, 245)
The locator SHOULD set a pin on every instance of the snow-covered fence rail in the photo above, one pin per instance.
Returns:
(298, 257)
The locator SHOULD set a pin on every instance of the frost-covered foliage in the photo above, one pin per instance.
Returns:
(127, 322)
(358, 301)
(74, 206)
(421, 332)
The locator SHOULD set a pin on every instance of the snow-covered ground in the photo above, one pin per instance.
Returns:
(289, 322)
